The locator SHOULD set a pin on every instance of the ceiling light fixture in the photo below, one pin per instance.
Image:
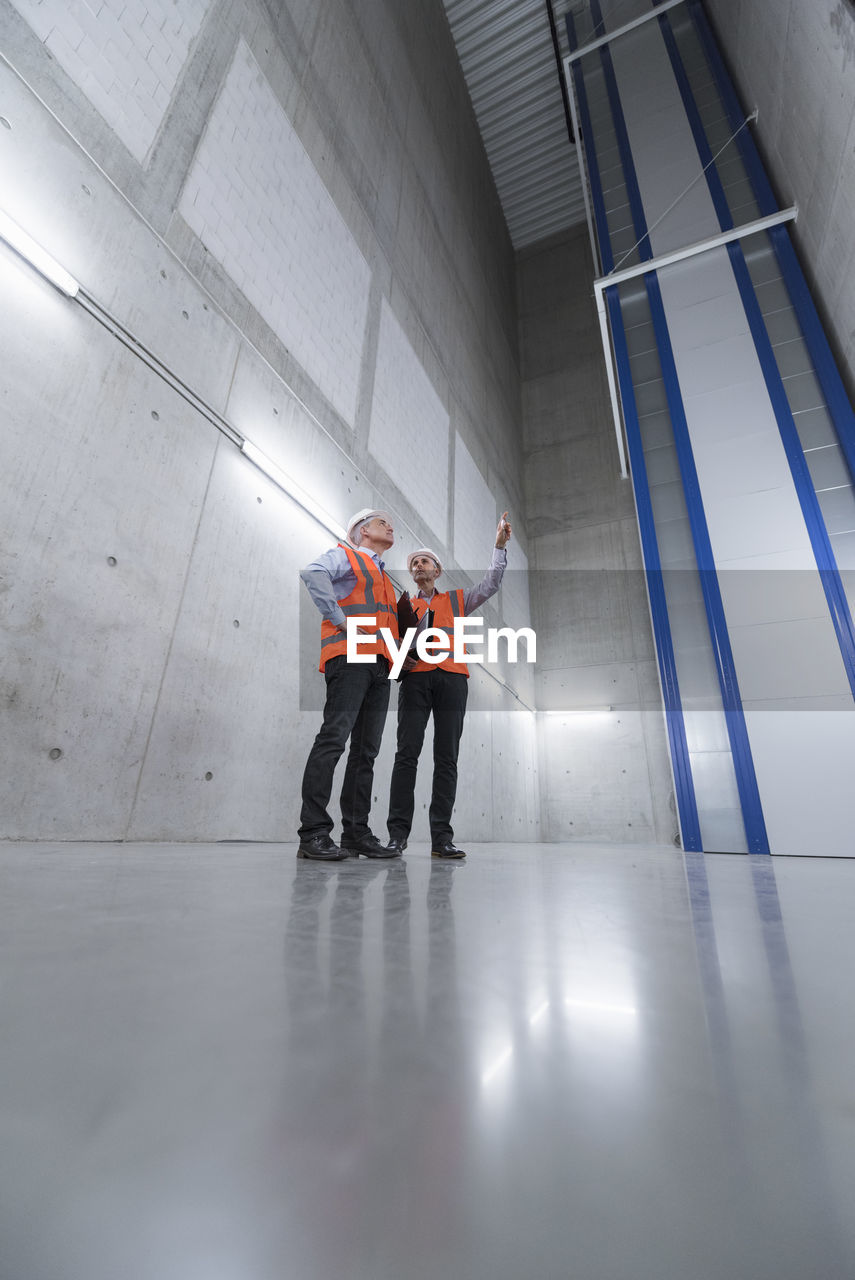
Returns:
(24, 245)
(281, 478)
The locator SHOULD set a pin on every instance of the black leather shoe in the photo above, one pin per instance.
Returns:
(397, 844)
(447, 850)
(370, 847)
(320, 849)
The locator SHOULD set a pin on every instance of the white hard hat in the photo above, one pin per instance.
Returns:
(367, 513)
(423, 551)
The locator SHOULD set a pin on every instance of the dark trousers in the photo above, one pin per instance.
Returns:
(421, 692)
(356, 705)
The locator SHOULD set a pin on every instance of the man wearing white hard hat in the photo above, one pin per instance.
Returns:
(438, 689)
(349, 580)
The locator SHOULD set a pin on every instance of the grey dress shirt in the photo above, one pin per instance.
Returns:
(474, 597)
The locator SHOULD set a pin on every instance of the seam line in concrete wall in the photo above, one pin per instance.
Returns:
(127, 339)
(168, 656)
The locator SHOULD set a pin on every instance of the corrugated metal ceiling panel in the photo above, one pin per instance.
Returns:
(506, 52)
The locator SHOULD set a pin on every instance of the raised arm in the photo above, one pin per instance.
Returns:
(474, 597)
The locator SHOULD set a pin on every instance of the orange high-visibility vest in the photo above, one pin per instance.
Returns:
(446, 606)
(373, 597)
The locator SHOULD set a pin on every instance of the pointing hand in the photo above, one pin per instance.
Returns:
(503, 533)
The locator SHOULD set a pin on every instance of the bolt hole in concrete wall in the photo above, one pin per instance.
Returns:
(55, 753)
(112, 561)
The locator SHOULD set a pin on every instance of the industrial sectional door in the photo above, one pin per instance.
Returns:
(740, 437)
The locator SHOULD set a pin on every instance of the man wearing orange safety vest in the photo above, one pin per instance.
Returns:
(439, 689)
(349, 581)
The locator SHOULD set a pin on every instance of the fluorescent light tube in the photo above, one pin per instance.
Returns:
(579, 711)
(595, 1006)
(24, 244)
(281, 478)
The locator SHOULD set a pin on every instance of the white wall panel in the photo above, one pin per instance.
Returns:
(718, 801)
(776, 596)
(666, 158)
(797, 657)
(706, 730)
(259, 205)
(744, 525)
(125, 55)
(474, 513)
(746, 465)
(807, 795)
(409, 425)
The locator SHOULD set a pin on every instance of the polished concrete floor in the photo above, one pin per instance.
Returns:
(569, 1062)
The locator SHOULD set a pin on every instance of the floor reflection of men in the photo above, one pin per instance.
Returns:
(371, 1141)
(335, 1134)
(325, 1138)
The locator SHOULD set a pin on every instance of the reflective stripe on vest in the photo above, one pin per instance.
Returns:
(372, 597)
(446, 606)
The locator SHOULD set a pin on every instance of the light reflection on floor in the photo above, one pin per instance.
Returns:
(594, 1062)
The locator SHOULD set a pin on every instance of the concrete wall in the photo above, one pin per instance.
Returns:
(795, 60)
(603, 774)
(290, 206)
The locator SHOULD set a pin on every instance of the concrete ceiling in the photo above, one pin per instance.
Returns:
(508, 59)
